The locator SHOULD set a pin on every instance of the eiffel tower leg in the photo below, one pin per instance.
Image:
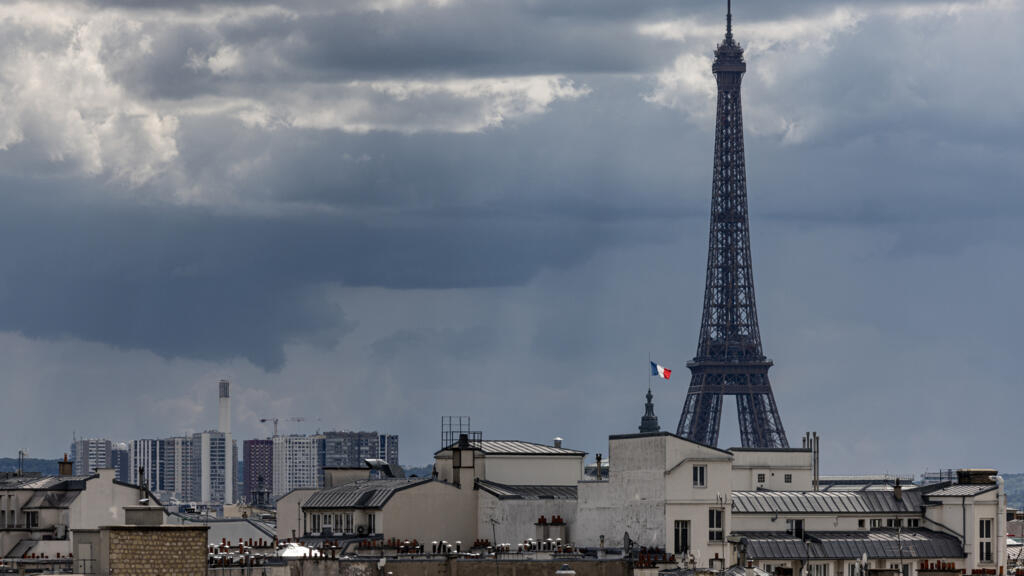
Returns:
(776, 433)
(760, 424)
(688, 420)
(702, 414)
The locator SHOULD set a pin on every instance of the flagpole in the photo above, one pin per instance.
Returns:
(649, 361)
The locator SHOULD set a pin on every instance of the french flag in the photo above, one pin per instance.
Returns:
(660, 371)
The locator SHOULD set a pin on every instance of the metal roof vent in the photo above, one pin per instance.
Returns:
(558, 444)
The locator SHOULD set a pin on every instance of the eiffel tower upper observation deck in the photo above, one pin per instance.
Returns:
(729, 360)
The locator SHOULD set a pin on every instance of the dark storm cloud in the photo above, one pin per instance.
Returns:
(385, 209)
(186, 282)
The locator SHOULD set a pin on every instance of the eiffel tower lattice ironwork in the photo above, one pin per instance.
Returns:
(729, 360)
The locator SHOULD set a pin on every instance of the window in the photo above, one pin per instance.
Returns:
(894, 522)
(913, 522)
(795, 527)
(682, 537)
(371, 523)
(860, 523)
(760, 478)
(316, 523)
(699, 475)
(818, 570)
(788, 478)
(876, 522)
(32, 519)
(347, 519)
(851, 568)
(715, 532)
(904, 570)
(985, 540)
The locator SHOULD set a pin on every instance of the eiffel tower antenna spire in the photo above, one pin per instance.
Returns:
(728, 20)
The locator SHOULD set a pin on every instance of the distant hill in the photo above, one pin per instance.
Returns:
(419, 471)
(31, 465)
(1014, 490)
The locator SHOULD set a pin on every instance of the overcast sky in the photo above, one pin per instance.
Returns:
(374, 213)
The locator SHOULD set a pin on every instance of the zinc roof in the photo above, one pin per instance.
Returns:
(860, 502)
(878, 543)
(519, 447)
(42, 500)
(361, 494)
(45, 483)
(1015, 552)
(22, 548)
(522, 492)
(963, 490)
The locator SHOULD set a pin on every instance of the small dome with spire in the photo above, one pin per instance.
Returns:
(649, 422)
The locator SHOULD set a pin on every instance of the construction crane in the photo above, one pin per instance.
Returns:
(276, 420)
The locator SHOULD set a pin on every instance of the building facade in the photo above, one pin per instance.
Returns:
(511, 482)
(176, 483)
(257, 471)
(212, 471)
(121, 462)
(387, 448)
(147, 463)
(296, 463)
(350, 449)
(39, 515)
(90, 455)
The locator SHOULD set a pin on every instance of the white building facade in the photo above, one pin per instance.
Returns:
(296, 463)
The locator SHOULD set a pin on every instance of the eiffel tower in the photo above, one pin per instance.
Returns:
(729, 360)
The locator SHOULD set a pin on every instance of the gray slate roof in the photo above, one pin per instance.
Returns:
(519, 447)
(521, 492)
(878, 543)
(866, 502)
(963, 490)
(1015, 552)
(735, 570)
(231, 529)
(22, 548)
(361, 494)
(44, 500)
(45, 482)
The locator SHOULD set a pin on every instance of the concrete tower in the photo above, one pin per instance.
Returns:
(224, 426)
(224, 423)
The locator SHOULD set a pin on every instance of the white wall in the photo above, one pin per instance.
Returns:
(631, 500)
(775, 465)
(532, 470)
(957, 514)
(517, 518)
(431, 511)
(289, 513)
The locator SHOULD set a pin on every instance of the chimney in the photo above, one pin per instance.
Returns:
(557, 442)
(897, 491)
(64, 467)
(224, 422)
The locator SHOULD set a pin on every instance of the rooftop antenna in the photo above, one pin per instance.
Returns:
(728, 19)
